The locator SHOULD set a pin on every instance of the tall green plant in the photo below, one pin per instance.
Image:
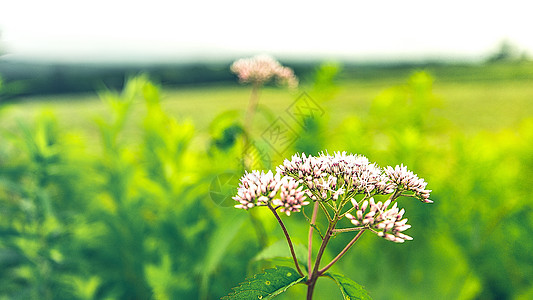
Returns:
(145, 198)
(330, 182)
(40, 198)
(310, 111)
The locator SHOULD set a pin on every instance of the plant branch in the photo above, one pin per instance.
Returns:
(325, 241)
(252, 106)
(352, 208)
(310, 242)
(288, 239)
(348, 229)
(350, 244)
(315, 274)
(325, 211)
(396, 194)
(248, 122)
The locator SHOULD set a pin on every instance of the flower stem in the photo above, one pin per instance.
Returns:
(252, 106)
(288, 239)
(396, 194)
(348, 229)
(310, 242)
(310, 289)
(353, 207)
(315, 274)
(325, 211)
(350, 244)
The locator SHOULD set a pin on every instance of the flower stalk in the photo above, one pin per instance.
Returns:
(257, 71)
(333, 182)
(350, 244)
(287, 236)
(310, 239)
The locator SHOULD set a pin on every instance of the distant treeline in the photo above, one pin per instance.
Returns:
(24, 78)
(30, 78)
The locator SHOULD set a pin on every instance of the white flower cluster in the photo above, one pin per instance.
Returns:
(291, 196)
(386, 222)
(261, 69)
(259, 188)
(407, 180)
(332, 177)
(329, 176)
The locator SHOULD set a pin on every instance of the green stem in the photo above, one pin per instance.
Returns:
(322, 249)
(350, 244)
(248, 119)
(288, 239)
(315, 274)
(310, 289)
(252, 105)
(396, 194)
(347, 229)
(310, 242)
(352, 208)
(325, 210)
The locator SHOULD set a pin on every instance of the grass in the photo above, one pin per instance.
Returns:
(486, 106)
(455, 249)
(472, 100)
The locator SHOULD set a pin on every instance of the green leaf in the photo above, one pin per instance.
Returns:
(266, 285)
(218, 245)
(349, 288)
(281, 249)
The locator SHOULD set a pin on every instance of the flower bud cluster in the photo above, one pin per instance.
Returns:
(291, 196)
(260, 188)
(384, 221)
(257, 189)
(336, 177)
(329, 176)
(262, 68)
(404, 179)
(312, 172)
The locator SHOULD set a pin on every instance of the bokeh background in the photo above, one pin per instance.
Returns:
(121, 143)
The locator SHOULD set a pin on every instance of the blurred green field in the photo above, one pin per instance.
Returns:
(111, 199)
(474, 99)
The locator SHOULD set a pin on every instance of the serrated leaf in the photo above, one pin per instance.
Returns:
(266, 285)
(281, 249)
(350, 289)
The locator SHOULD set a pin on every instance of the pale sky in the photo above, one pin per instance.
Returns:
(157, 29)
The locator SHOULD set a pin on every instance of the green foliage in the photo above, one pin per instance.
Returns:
(225, 130)
(122, 223)
(127, 215)
(266, 285)
(310, 111)
(280, 249)
(220, 241)
(349, 288)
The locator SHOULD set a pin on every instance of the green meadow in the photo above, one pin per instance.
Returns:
(473, 98)
(109, 195)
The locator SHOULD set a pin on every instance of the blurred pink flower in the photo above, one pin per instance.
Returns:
(262, 68)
